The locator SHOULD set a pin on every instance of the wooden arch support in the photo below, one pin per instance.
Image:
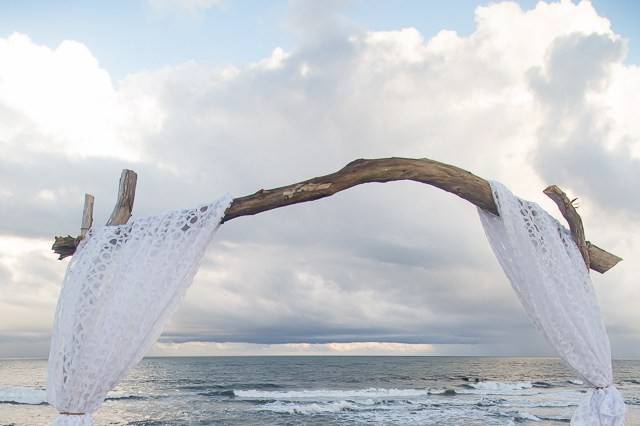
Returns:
(66, 246)
(450, 178)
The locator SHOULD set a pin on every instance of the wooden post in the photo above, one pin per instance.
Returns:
(87, 215)
(66, 246)
(126, 195)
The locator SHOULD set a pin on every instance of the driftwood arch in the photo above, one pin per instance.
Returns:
(450, 178)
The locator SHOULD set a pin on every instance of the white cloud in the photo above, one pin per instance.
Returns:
(275, 61)
(398, 264)
(60, 100)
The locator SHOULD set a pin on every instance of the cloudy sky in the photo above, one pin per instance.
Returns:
(204, 97)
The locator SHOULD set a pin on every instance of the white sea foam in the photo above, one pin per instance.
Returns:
(501, 386)
(523, 415)
(497, 388)
(353, 406)
(519, 415)
(23, 395)
(576, 382)
(399, 412)
(37, 396)
(553, 399)
(313, 408)
(332, 393)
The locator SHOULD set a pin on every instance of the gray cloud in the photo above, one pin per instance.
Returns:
(575, 64)
(318, 294)
(575, 136)
(400, 262)
(17, 346)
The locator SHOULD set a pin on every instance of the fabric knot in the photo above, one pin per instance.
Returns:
(73, 419)
(601, 407)
(611, 401)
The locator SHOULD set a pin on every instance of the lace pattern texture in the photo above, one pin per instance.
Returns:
(120, 288)
(548, 274)
(73, 420)
(124, 282)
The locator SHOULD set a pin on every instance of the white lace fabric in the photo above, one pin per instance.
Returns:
(124, 282)
(546, 270)
(73, 420)
(120, 288)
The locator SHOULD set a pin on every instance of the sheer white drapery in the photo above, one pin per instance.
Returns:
(546, 270)
(120, 288)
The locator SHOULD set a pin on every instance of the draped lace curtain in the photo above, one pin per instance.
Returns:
(120, 288)
(124, 282)
(546, 270)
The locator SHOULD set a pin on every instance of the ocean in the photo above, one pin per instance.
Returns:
(325, 391)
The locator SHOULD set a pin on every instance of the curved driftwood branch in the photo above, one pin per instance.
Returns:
(450, 178)
(444, 176)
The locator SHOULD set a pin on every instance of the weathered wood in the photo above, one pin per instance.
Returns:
(594, 257)
(87, 214)
(444, 176)
(600, 259)
(66, 246)
(450, 178)
(126, 195)
(572, 217)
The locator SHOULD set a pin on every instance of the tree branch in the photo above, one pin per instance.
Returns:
(574, 220)
(450, 178)
(444, 176)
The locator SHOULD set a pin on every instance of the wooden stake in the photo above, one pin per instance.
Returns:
(126, 195)
(66, 246)
(87, 215)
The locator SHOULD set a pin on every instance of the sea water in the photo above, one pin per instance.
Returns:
(326, 391)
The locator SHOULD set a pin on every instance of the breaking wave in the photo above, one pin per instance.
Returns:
(398, 411)
(38, 396)
(312, 408)
(332, 393)
(220, 393)
(210, 387)
(497, 388)
(23, 395)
